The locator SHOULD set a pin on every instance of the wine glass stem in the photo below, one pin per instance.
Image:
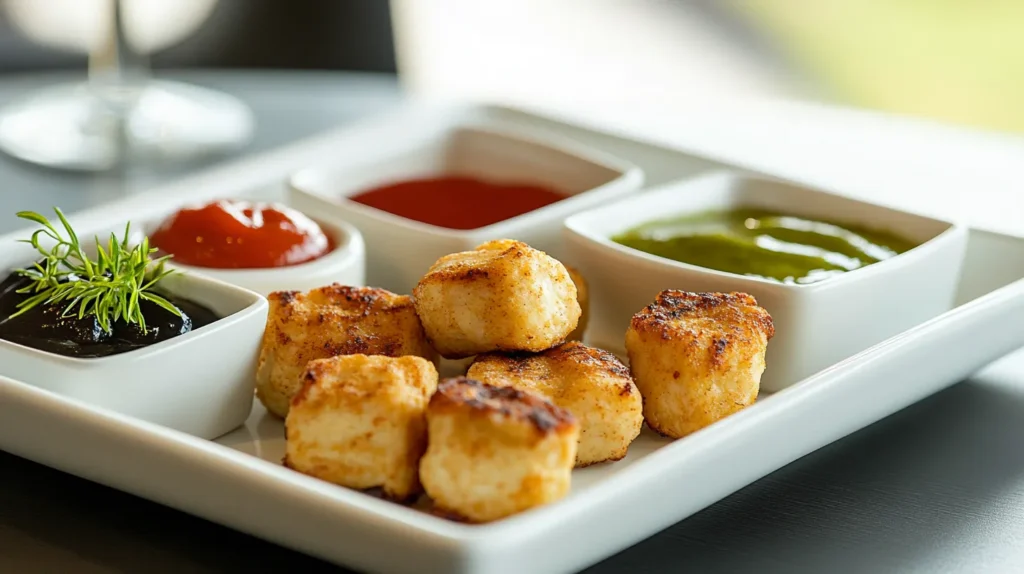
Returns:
(115, 68)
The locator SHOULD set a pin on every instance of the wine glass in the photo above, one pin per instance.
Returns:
(120, 114)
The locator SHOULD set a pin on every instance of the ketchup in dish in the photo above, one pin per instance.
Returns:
(457, 202)
(230, 234)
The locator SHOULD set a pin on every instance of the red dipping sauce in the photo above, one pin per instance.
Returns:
(230, 234)
(457, 202)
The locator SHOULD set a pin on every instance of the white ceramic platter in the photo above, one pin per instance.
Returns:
(237, 480)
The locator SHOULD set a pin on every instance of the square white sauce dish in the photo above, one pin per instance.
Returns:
(883, 271)
(475, 178)
(185, 358)
(263, 246)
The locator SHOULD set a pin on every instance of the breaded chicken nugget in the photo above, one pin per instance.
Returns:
(495, 451)
(583, 297)
(590, 383)
(502, 296)
(330, 321)
(697, 357)
(360, 421)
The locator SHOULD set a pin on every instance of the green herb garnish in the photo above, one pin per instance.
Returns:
(109, 287)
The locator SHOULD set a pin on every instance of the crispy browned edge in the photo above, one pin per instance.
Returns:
(672, 305)
(570, 352)
(509, 402)
(364, 300)
(602, 461)
(739, 320)
(658, 431)
(313, 372)
(465, 272)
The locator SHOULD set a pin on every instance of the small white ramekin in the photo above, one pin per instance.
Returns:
(400, 250)
(200, 383)
(346, 264)
(816, 324)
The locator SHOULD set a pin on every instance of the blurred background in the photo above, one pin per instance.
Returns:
(954, 61)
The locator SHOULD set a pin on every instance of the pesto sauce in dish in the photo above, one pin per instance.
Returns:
(759, 243)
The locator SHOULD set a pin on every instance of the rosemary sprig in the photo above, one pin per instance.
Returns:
(109, 287)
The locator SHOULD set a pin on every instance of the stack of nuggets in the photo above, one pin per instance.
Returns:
(363, 420)
(352, 371)
(505, 301)
(590, 383)
(513, 443)
(327, 322)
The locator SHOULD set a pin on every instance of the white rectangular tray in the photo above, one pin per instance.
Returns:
(238, 480)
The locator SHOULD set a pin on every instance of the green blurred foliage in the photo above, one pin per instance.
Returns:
(960, 61)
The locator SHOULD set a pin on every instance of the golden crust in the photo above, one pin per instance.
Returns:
(729, 318)
(493, 452)
(506, 402)
(583, 297)
(331, 321)
(697, 357)
(572, 358)
(360, 421)
(502, 296)
(590, 383)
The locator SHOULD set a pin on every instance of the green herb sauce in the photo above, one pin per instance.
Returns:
(765, 244)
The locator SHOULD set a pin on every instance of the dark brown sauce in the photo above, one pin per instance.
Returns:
(44, 327)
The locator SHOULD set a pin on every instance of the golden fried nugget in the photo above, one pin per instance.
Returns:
(590, 383)
(502, 296)
(495, 451)
(697, 357)
(330, 321)
(360, 421)
(583, 297)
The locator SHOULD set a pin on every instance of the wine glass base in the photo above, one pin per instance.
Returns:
(71, 127)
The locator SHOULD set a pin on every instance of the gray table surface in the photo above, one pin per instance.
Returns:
(938, 487)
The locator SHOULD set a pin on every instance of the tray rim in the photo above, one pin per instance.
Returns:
(468, 541)
(473, 538)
